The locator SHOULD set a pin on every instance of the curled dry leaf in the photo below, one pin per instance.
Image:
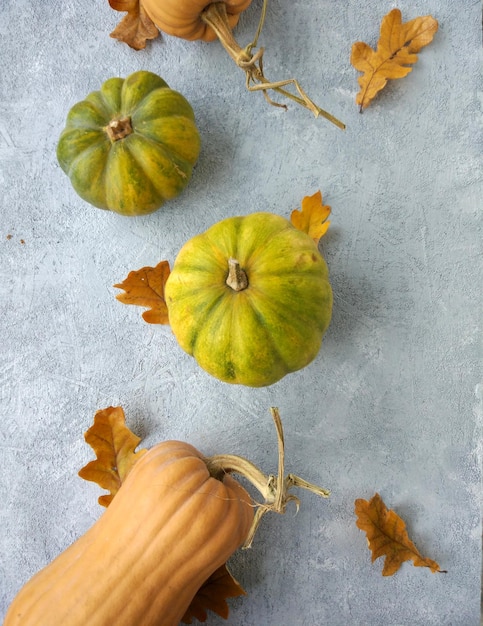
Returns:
(136, 27)
(212, 596)
(313, 217)
(387, 536)
(114, 445)
(145, 287)
(396, 48)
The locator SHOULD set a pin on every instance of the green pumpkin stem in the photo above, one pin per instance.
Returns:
(274, 489)
(236, 279)
(119, 128)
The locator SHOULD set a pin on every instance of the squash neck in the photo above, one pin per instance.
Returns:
(119, 128)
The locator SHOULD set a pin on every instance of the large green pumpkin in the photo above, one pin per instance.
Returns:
(130, 146)
(250, 299)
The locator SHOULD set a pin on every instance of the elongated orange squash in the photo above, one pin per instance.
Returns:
(175, 520)
(170, 526)
(187, 18)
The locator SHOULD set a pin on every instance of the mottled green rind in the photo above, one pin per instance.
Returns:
(256, 336)
(137, 174)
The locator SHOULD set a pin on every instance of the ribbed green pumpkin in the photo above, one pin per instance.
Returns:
(131, 145)
(271, 326)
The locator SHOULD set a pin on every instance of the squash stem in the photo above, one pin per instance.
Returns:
(274, 489)
(215, 16)
(118, 128)
(237, 278)
(221, 464)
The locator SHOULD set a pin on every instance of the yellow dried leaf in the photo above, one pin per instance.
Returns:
(212, 596)
(396, 48)
(313, 218)
(145, 287)
(136, 27)
(387, 536)
(114, 445)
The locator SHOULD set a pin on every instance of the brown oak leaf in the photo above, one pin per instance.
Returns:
(313, 217)
(212, 596)
(145, 287)
(114, 445)
(387, 536)
(395, 53)
(136, 27)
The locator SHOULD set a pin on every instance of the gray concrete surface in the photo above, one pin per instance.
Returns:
(393, 402)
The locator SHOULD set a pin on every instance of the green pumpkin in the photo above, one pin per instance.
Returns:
(130, 146)
(250, 299)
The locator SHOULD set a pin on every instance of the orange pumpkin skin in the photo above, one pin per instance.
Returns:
(181, 18)
(169, 527)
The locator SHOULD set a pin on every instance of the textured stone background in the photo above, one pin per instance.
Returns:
(391, 404)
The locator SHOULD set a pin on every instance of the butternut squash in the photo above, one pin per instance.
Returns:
(175, 520)
(187, 18)
(170, 526)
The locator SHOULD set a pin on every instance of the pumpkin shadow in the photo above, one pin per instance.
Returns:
(357, 308)
(216, 163)
(332, 238)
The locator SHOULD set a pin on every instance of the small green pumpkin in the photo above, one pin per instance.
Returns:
(250, 299)
(130, 146)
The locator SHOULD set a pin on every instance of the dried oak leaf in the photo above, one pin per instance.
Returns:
(114, 445)
(212, 596)
(136, 27)
(387, 536)
(313, 218)
(395, 52)
(145, 287)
